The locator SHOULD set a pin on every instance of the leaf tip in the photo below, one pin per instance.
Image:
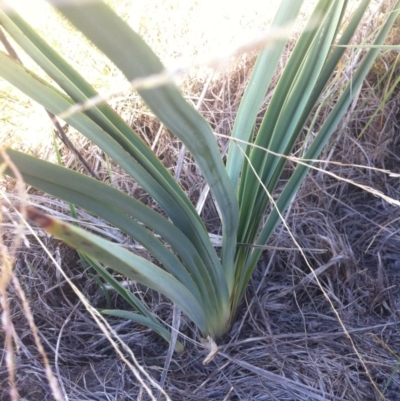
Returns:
(39, 218)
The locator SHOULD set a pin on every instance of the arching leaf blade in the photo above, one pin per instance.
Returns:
(116, 208)
(124, 262)
(167, 103)
(80, 91)
(145, 321)
(55, 102)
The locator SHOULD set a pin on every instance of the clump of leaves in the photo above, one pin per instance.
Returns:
(205, 286)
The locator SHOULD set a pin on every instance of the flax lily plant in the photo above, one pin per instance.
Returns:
(207, 286)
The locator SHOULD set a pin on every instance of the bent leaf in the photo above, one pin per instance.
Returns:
(124, 262)
(166, 102)
(145, 321)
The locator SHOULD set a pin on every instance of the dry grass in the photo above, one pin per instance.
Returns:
(287, 343)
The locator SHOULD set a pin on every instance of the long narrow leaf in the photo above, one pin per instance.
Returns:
(145, 321)
(249, 183)
(124, 262)
(323, 136)
(256, 89)
(55, 102)
(145, 317)
(161, 186)
(116, 207)
(296, 100)
(323, 78)
(167, 104)
(290, 97)
(80, 91)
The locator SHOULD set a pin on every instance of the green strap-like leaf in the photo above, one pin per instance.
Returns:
(55, 102)
(116, 208)
(129, 297)
(290, 95)
(323, 136)
(158, 181)
(324, 77)
(124, 262)
(80, 90)
(145, 321)
(136, 60)
(257, 87)
(145, 317)
(286, 130)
